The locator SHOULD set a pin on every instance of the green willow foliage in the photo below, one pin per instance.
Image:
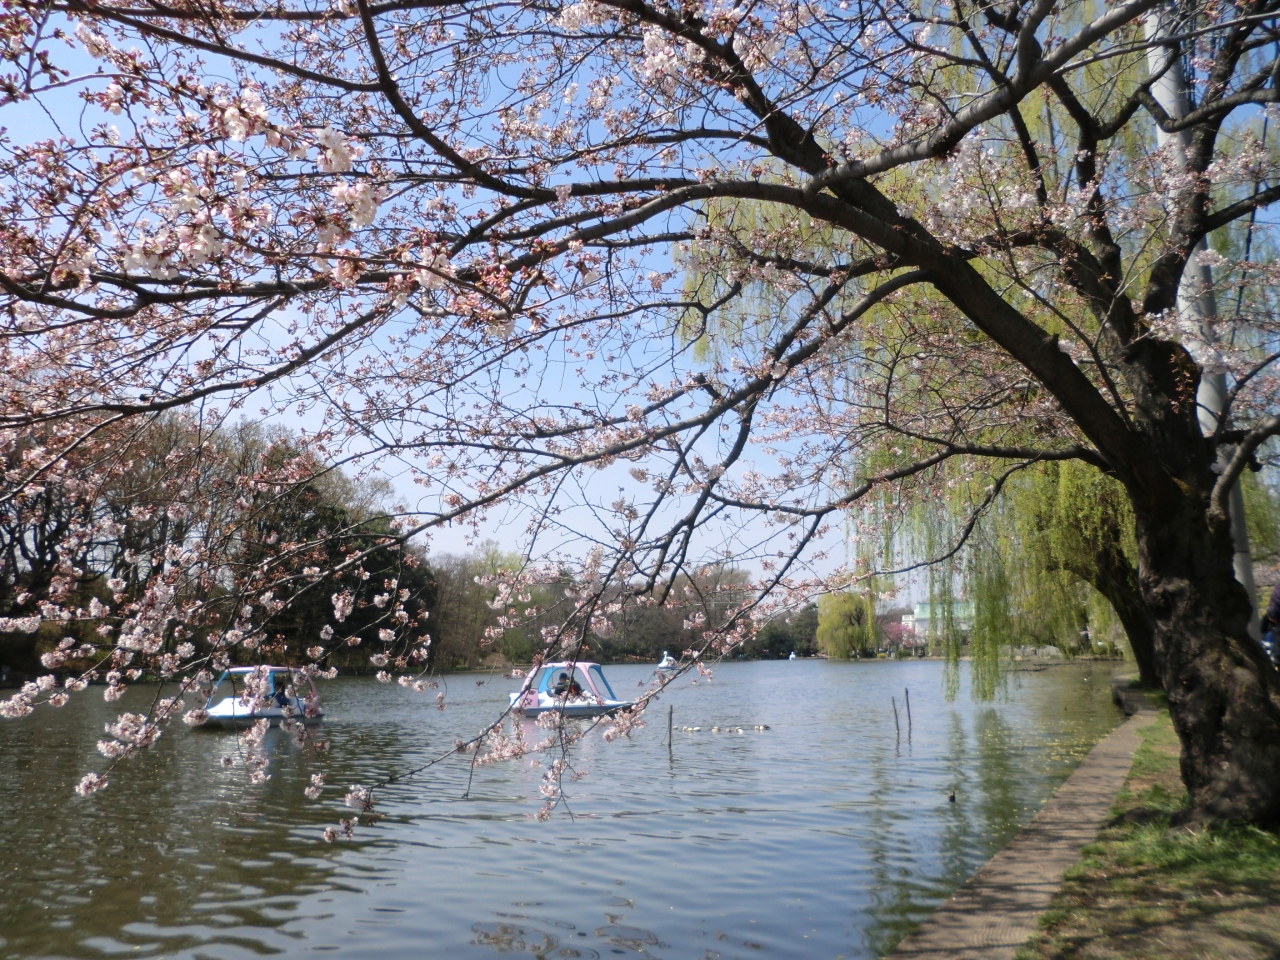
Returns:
(1262, 511)
(989, 580)
(1066, 513)
(767, 303)
(847, 624)
(1025, 567)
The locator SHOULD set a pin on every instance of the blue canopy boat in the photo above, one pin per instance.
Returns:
(275, 706)
(574, 688)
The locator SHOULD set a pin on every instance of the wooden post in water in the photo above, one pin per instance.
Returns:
(907, 696)
(670, 711)
(896, 729)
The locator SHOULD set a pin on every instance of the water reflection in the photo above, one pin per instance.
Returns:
(827, 833)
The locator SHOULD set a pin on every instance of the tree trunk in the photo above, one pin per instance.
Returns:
(1113, 576)
(1224, 695)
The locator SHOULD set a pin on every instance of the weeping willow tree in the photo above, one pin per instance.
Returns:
(1050, 562)
(847, 624)
(1080, 570)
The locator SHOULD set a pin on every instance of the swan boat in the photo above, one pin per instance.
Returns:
(574, 688)
(668, 662)
(280, 699)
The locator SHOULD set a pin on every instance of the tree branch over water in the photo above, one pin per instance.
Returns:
(657, 286)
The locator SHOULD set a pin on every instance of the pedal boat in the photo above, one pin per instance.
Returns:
(667, 663)
(233, 711)
(593, 697)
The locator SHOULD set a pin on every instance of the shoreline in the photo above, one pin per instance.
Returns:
(15, 680)
(994, 913)
(1151, 887)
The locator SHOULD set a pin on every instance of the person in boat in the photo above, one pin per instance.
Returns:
(567, 686)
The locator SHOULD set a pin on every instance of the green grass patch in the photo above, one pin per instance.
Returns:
(1149, 889)
(1155, 759)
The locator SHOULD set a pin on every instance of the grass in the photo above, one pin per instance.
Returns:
(1149, 889)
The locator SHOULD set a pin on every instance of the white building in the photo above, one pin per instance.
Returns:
(926, 619)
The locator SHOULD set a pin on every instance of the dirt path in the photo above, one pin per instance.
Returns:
(991, 916)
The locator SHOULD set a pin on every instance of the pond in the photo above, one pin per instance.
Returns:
(827, 835)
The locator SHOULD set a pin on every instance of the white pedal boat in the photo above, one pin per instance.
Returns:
(280, 698)
(576, 689)
(667, 663)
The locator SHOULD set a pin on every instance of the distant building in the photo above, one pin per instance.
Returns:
(926, 619)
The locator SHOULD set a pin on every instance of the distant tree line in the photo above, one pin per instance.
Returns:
(256, 504)
(791, 632)
(641, 631)
(262, 504)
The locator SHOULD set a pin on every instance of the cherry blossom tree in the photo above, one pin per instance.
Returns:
(492, 248)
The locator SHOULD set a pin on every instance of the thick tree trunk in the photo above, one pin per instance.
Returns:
(1224, 695)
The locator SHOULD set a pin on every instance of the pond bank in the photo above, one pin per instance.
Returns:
(1142, 889)
(1147, 889)
(991, 916)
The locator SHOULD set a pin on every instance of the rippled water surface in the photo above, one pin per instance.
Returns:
(825, 836)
